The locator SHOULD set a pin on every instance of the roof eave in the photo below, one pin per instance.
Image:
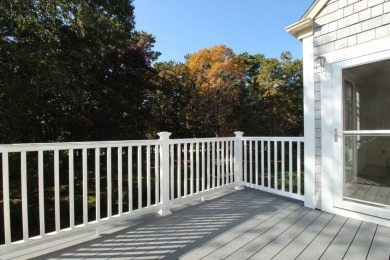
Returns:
(304, 27)
(301, 29)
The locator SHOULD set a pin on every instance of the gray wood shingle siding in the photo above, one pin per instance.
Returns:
(344, 23)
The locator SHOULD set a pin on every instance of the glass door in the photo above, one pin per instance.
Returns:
(366, 136)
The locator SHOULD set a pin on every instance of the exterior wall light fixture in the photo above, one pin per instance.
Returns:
(319, 62)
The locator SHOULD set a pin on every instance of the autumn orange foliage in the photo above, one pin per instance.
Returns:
(218, 74)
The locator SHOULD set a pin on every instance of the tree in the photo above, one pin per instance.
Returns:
(275, 88)
(81, 66)
(217, 74)
(167, 101)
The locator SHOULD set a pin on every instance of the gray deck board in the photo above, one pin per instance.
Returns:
(360, 245)
(274, 247)
(318, 246)
(342, 241)
(240, 225)
(237, 232)
(298, 245)
(380, 247)
(264, 239)
(230, 248)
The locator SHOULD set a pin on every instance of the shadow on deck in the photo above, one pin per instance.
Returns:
(240, 225)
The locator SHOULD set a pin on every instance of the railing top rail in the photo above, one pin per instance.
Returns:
(201, 140)
(31, 147)
(273, 138)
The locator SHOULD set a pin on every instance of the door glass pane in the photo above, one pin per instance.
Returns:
(367, 169)
(366, 91)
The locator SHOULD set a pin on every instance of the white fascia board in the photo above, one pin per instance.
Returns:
(304, 27)
(301, 29)
(314, 9)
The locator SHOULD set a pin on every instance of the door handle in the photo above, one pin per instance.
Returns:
(336, 135)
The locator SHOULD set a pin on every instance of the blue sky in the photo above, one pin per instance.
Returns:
(254, 26)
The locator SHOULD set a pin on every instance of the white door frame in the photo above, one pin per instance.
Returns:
(338, 162)
(332, 117)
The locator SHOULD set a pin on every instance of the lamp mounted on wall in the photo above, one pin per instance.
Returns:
(319, 62)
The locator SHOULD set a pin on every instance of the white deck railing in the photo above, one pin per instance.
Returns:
(70, 186)
(274, 164)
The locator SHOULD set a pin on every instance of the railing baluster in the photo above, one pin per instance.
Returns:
(120, 182)
(85, 187)
(172, 173)
(262, 164)
(71, 188)
(185, 170)
(157, 173)
(245, 162)
(148, 183)
(178, 170)
(23, 161)
(97, 183)
(208, 165)
(228, 161)
(213, 163)
(269, 163)
(257, 162)
(290, 162)
(275, 165)
(192, 168)
(6, 204)
(250, 163)
(203, 167)
(218, 164)
(57, 191)
(139, 177)
(232, 162)
(109, 183)
(130, 176)
(299, 167)
(197, 166)
(222, 163)
(283, 173)
(41, 190)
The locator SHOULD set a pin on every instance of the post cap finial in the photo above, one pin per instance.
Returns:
(239, 133)
(164, 135)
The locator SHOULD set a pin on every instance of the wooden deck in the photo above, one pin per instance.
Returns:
(246, 224)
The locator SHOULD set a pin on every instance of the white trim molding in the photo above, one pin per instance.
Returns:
(309, 123)
(301, 29)
(304, 27)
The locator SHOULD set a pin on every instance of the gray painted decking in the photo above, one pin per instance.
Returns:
(246, 224)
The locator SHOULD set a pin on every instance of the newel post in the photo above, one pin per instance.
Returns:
(164, 174)
(238, 160)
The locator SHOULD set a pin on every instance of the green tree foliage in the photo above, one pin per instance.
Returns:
(167, 101)
(72, 70)
(217, 92)
(273, 96)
